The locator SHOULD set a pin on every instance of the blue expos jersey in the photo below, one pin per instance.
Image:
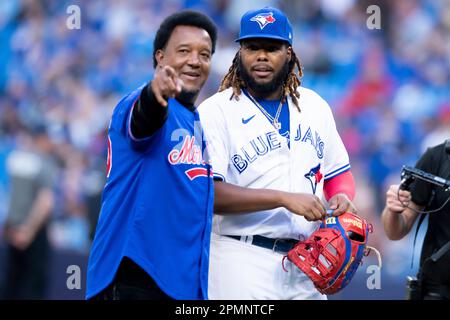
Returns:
(157, 204)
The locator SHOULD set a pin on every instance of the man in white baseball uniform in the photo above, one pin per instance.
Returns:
(276, 154)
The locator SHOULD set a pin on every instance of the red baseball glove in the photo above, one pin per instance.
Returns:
(333, 253)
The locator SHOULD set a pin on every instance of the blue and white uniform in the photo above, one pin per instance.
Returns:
(247, 150)
(157, 204)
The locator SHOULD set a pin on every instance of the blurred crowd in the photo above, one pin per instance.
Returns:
(389, 89)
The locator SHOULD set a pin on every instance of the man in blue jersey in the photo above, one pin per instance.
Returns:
(152, 237)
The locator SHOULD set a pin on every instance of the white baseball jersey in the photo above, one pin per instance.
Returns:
(246, 150)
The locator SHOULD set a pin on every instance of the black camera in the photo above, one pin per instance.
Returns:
(413, 288)
(409, 174)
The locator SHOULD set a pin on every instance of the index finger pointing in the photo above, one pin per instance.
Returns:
(169, 71)
(179, 84)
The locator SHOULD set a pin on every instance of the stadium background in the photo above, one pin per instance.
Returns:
(389, 90)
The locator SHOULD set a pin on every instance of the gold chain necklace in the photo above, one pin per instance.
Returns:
(275, 121)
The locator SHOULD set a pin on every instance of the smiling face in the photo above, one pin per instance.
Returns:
(264, 66)
(189, 52)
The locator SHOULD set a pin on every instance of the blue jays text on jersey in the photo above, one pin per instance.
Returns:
(157, 204)
(268, 142)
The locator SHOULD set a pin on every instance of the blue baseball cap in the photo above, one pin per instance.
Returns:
(268, 23)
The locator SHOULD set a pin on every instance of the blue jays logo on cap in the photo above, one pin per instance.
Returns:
(271, 23)
(264, 19)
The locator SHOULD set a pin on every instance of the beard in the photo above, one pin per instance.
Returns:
(188, 97)
(265, 89)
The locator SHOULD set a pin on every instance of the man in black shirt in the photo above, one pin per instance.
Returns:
(402, 209)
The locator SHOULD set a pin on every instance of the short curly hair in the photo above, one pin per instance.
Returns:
(183, 18)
